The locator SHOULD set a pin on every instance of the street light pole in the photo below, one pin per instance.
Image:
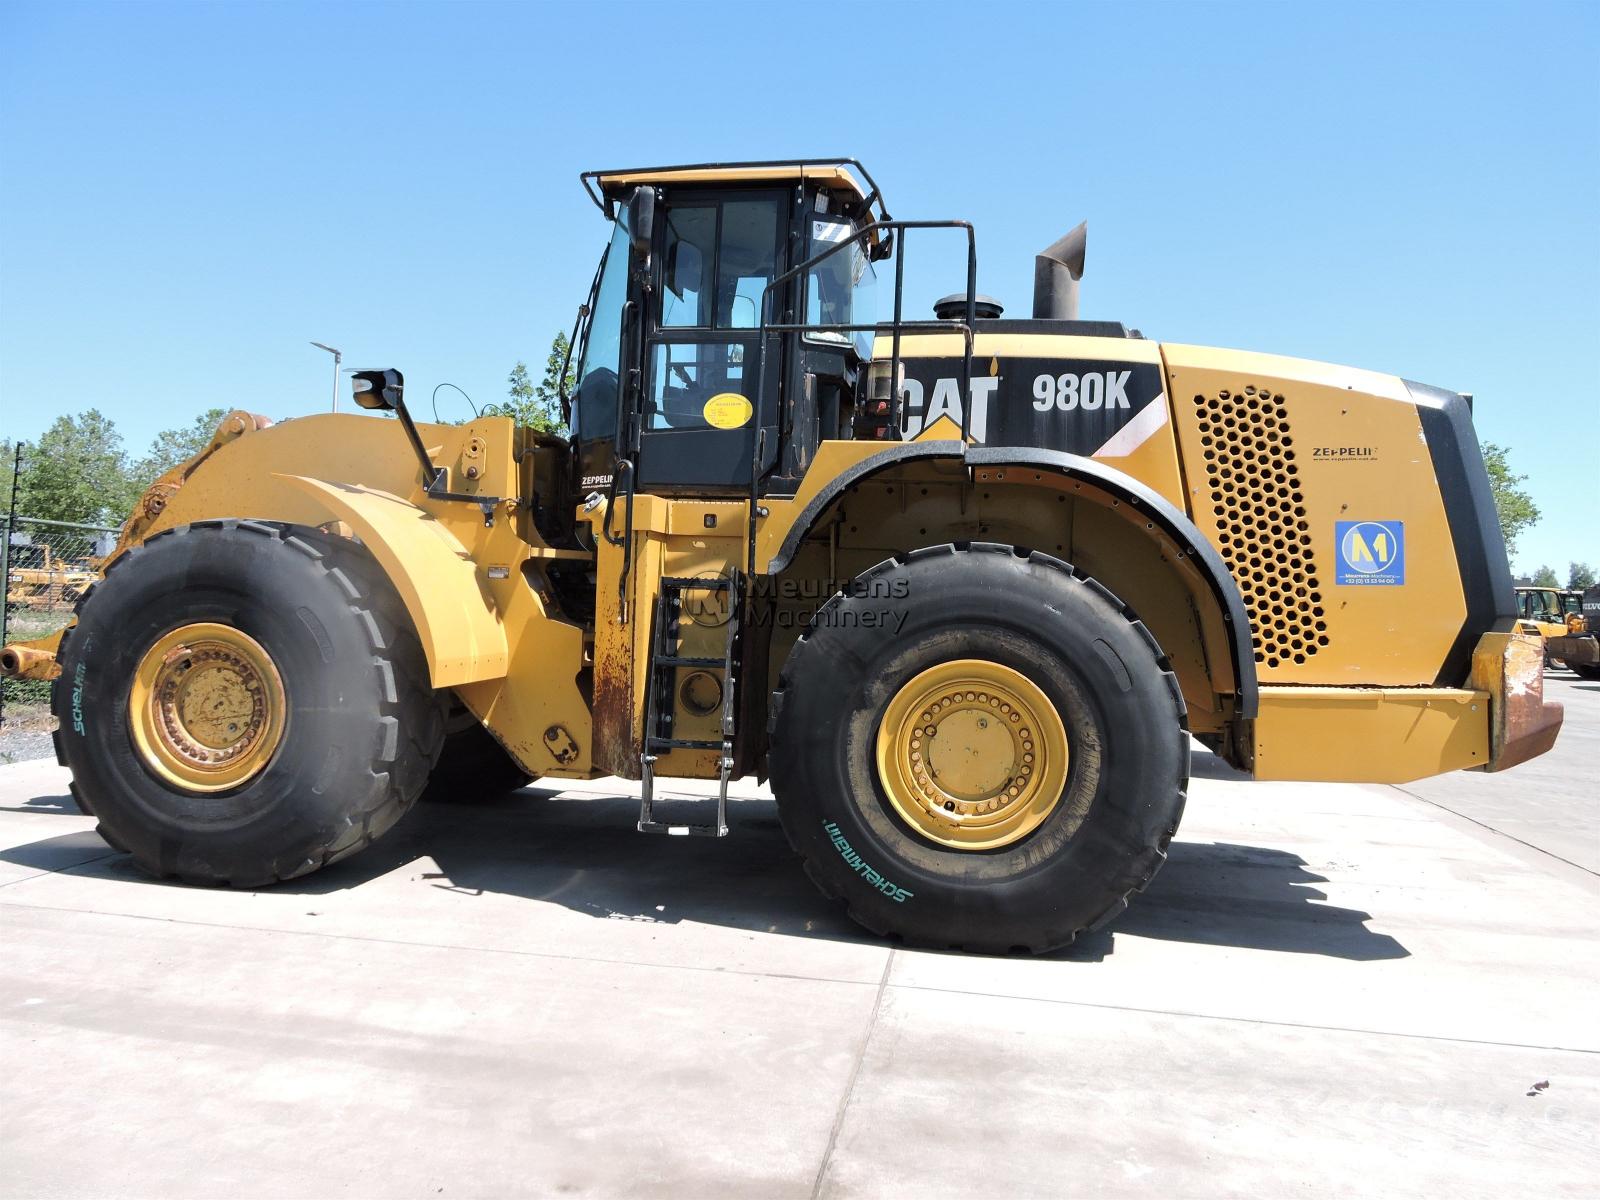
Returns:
(337, 359)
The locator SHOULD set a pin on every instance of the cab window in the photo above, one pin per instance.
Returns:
(717, 261)
(718, 254)
(840, 290)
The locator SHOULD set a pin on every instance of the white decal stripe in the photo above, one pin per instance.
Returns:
(1137, 432)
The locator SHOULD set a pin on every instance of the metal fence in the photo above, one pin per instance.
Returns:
(47, 566)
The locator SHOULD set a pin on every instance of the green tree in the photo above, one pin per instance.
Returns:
(537, 404)
(8, 452)
(1579, 576)
(1545, 577)
(1513, 504)
(173, 446)
(76, 471)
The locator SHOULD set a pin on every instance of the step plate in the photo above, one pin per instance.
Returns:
(672, 830)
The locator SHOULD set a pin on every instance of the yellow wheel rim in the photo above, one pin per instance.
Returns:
(972, 754)
(207, 708)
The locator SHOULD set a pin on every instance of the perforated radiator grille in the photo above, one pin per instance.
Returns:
(1261, 521)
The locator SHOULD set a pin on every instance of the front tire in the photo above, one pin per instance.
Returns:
(935, 858)
(243, 702)
(472, 766)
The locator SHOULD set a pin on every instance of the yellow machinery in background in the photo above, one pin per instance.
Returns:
(49, 582)
(961, 585)
(1575, 643)
(1543, 611)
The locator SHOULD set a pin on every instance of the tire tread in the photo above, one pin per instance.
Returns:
(1141, 869)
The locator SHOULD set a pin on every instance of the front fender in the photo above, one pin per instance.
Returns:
(432, 572)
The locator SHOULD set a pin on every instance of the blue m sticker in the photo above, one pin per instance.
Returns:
(1371, 552)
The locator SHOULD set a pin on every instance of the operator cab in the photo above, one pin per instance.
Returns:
(672, 371)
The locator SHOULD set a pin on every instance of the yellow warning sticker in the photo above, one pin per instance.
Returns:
(727, 410)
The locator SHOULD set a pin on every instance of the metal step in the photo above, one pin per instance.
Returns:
(664, 656)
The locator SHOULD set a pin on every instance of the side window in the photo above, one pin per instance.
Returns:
(689, 252)
(736, 240)
(746, 262)
(840, 290)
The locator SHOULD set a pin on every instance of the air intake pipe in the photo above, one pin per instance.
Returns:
(1056, 273)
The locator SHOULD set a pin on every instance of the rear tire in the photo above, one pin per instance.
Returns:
(1126, 730)
(362, 726)
(1585, 670)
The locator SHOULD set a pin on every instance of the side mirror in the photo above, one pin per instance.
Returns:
(642, 220)
(382, 390)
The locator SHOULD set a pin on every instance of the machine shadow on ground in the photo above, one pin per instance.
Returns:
(584, 853)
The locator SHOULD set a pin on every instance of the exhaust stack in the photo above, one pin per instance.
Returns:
(1056, 274)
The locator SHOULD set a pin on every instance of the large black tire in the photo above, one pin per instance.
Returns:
(472, 766)
(363, 726)
(1126, 728)
(1585, 670)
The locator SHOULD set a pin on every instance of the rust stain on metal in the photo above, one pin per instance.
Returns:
(615, 751)
(1523, 724)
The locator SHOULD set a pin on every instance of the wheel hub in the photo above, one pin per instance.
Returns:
(972, 754)
(207, 707)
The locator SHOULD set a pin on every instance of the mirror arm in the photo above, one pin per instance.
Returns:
(430, 473)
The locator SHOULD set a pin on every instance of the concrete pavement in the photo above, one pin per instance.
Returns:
(1330, 990)
(1551, 802)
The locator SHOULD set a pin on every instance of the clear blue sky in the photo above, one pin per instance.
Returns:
(190, 192)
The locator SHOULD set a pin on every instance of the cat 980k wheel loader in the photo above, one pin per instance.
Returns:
(962, 586)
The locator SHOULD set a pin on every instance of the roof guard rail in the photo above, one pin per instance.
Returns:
(872, 192)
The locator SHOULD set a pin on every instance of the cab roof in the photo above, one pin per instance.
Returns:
(843, 174)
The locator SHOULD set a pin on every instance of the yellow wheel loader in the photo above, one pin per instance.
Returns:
(961, 585)
(1556, 618)
(1542, 611)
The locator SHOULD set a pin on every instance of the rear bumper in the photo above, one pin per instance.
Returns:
(1522, 723)
(1397, 734)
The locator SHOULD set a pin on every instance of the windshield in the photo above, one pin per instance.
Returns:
(595, 398)
(840, 290)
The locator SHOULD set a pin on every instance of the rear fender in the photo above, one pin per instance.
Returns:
(1221, 607)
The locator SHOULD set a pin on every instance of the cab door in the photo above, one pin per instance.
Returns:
(716, 252)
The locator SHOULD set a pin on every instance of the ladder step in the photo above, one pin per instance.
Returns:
(683, 830)
(664, 638)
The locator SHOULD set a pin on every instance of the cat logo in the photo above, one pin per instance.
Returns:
(1371, 552)
(946, 402)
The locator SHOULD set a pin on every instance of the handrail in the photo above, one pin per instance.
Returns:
(895, 328)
